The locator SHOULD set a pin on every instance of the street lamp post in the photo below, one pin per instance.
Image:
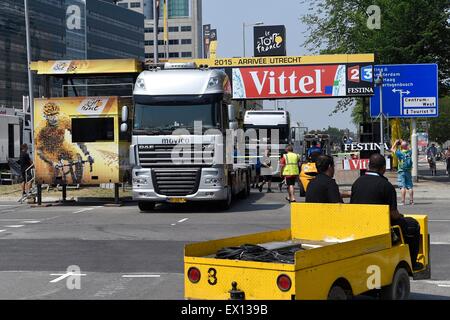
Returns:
(30, 75)
(243, 31)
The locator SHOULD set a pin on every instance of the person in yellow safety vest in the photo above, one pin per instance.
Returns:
(290, 164)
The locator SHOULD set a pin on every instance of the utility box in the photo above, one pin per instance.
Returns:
(78, 140)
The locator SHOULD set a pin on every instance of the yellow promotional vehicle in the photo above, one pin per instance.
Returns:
(341, 251)
(78, 136)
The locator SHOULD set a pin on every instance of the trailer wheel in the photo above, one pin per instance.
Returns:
(338, 293)
(146, 206)
(246, 191)
(400, 287)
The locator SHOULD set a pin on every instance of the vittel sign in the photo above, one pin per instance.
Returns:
(301, 81)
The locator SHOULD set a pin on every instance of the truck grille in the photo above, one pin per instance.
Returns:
(185, 155)
(173, 182)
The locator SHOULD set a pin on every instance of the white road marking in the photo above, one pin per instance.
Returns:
(439, 220)
(15, 226)
(141, 276)
(173, 224)
(31, 221)
(444, 285)
(2, 230)
(64, 275)
(183, 220)
(84, 210)
(440, 243)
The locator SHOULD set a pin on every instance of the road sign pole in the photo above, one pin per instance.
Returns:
(381, 119)
(415, 155)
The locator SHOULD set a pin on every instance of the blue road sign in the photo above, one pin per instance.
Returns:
(409, 91)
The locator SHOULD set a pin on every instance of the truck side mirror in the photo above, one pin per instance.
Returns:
(124, 114)
(124, 127)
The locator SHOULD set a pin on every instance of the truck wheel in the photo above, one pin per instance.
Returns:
(400, 287)
(246, 191)
(338, 293)
(226, 204)
(146, 206)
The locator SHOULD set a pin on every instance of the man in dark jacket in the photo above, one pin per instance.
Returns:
(323, 188)
(374, 188)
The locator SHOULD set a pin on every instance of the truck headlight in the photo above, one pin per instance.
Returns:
(141, 180)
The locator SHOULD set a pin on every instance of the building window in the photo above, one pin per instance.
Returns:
(174, 55)
(186, 29)
(187, 54)
(174, 41)
(174, 29)
(149, 55)
(160, 42)
(123, 5)
(179, 8)
(148, 30)
(161, 55)
(135, 5)
(149, 42)
(186, 41)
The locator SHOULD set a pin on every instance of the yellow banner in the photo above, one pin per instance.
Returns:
(166, 21)
(99, 66)
(77, 140)
(282, 60)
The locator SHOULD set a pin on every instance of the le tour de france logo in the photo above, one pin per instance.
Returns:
(270, 41)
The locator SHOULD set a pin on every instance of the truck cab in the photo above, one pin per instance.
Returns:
(181, 117)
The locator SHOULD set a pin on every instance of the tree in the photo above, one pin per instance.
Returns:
(412, 31)
(440, 127)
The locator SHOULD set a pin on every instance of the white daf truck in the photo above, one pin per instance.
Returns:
(179, 152)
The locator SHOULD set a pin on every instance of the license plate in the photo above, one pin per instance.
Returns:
(176, 200)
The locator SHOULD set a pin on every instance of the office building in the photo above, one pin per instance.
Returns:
(185, 27)
(60, 30)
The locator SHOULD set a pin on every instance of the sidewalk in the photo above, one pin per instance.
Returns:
(428, 187)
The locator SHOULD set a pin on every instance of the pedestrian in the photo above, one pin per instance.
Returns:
(290, 163)
(266, 171)
(323, 188)
(405, 163)
(315, 148)
(25, 163)
(432, 153)
(374, 188)
(447, 159)
(257, 173)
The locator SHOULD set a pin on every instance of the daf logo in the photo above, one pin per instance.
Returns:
(146, 147)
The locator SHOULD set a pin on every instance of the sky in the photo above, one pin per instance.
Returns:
(228, 16)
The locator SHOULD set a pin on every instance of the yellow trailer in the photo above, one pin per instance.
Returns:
(347, 250)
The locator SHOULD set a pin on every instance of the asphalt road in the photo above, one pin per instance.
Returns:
(125, 254)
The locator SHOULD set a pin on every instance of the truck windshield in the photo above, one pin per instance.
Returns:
(165, 118)
(283, 131)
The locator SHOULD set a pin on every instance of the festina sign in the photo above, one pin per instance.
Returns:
(364, 146)
(308, 81)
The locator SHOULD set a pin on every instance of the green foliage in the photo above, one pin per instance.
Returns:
(412, 31)
(440, 127)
